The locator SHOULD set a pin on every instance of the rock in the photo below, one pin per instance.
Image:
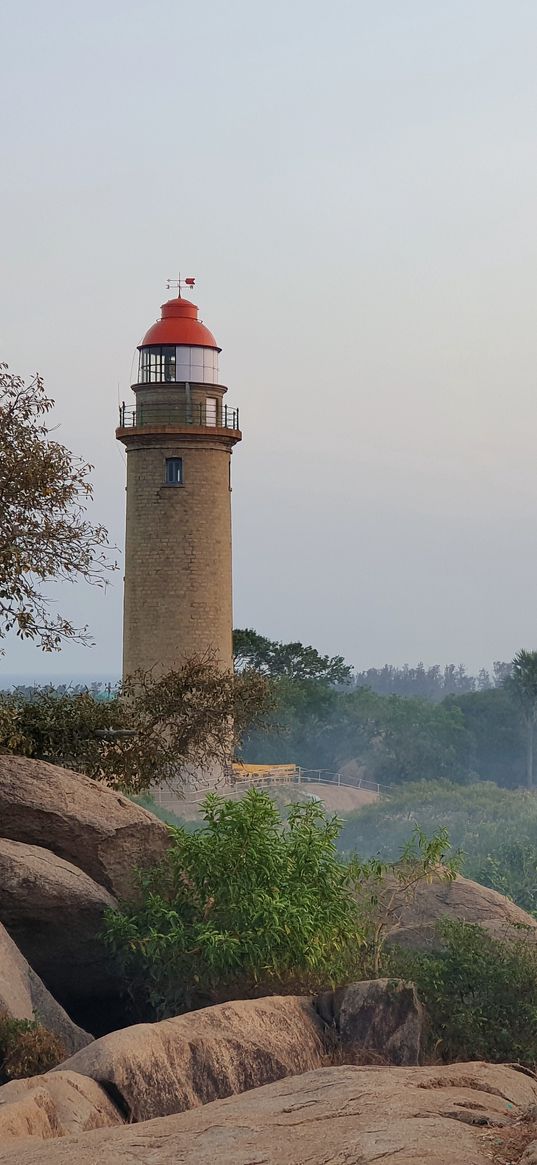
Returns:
(415, 919)
(167, 1067)
(54, 1106)
(53, 912)
(80, 820)
(22, 993)
(333, 1116)
(376, 1021)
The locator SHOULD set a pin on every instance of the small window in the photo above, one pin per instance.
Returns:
(174, 471)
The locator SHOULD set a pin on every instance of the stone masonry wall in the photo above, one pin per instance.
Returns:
(178, 599)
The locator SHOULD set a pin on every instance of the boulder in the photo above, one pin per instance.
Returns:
(22, 994)
(54, 1106)
(457, 1115)
(53, 911)
(415, 918)
(167, 1067)
(376, 1021)
(100, 831)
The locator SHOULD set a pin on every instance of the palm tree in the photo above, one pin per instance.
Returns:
(523, 683)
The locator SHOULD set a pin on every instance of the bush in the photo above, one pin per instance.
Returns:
(243, 906)
(249, 904)
(480, 993)
(495, 828)
(27, 1048)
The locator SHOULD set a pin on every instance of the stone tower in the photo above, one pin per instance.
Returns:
(179, 436)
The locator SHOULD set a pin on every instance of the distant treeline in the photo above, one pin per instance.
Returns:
(100, 690)
(430, 683)
(390, 724)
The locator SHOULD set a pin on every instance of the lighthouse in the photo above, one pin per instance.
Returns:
(179, 436)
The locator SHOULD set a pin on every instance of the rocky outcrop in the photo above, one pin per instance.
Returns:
(54, 912)
(22, 994)
(415, 917)
(53, 1106)
(184, 1062)
(377, 1021)
(457, 1115)
(102, 832)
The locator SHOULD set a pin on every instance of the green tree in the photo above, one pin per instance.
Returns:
(290, 660)
(44, 531)
(415, 739)
(523, 685)
(496, 735)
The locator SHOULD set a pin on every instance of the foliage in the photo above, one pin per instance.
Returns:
(45, 535)
(60, 729)
(413, 739)
(393, 739)
(383, 887)
(480, 993)
(290, 660)
(27, 1048)
(249, 905)
(523, 685)
(147, 732)
(431, 683)
(242, 906)
(496, 830)
(496, 733)
(192, 716)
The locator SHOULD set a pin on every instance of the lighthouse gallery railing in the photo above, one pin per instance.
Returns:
(196, 413)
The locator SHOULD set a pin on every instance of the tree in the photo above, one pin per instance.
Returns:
(523, 685)
(494, 724)
(292, 661)
(44, 532)
(150, 730)
(194, 716)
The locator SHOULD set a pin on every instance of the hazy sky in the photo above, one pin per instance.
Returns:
(355, 187)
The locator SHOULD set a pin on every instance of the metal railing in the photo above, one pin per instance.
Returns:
(197, 413)
(298, 776)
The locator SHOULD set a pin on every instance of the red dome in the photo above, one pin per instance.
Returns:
(179, 324)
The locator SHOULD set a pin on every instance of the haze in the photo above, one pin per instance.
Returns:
(354, 185)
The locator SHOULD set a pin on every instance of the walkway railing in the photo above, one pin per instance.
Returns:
(263, 776)
(197, 413)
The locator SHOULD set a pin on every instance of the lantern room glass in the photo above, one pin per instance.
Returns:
(167, 364)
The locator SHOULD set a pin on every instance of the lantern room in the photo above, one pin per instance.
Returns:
(178, 381)
(178, 348)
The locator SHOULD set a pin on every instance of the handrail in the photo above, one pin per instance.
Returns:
(196, 413)
(302, 776)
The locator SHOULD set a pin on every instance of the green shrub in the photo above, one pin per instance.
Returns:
(480, 993)
(245, 905)
(27, 1048)
(251, 904)
(495, 828)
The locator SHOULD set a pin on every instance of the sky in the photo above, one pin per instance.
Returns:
(354, 186)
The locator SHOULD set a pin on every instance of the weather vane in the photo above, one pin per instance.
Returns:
(179, 283)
